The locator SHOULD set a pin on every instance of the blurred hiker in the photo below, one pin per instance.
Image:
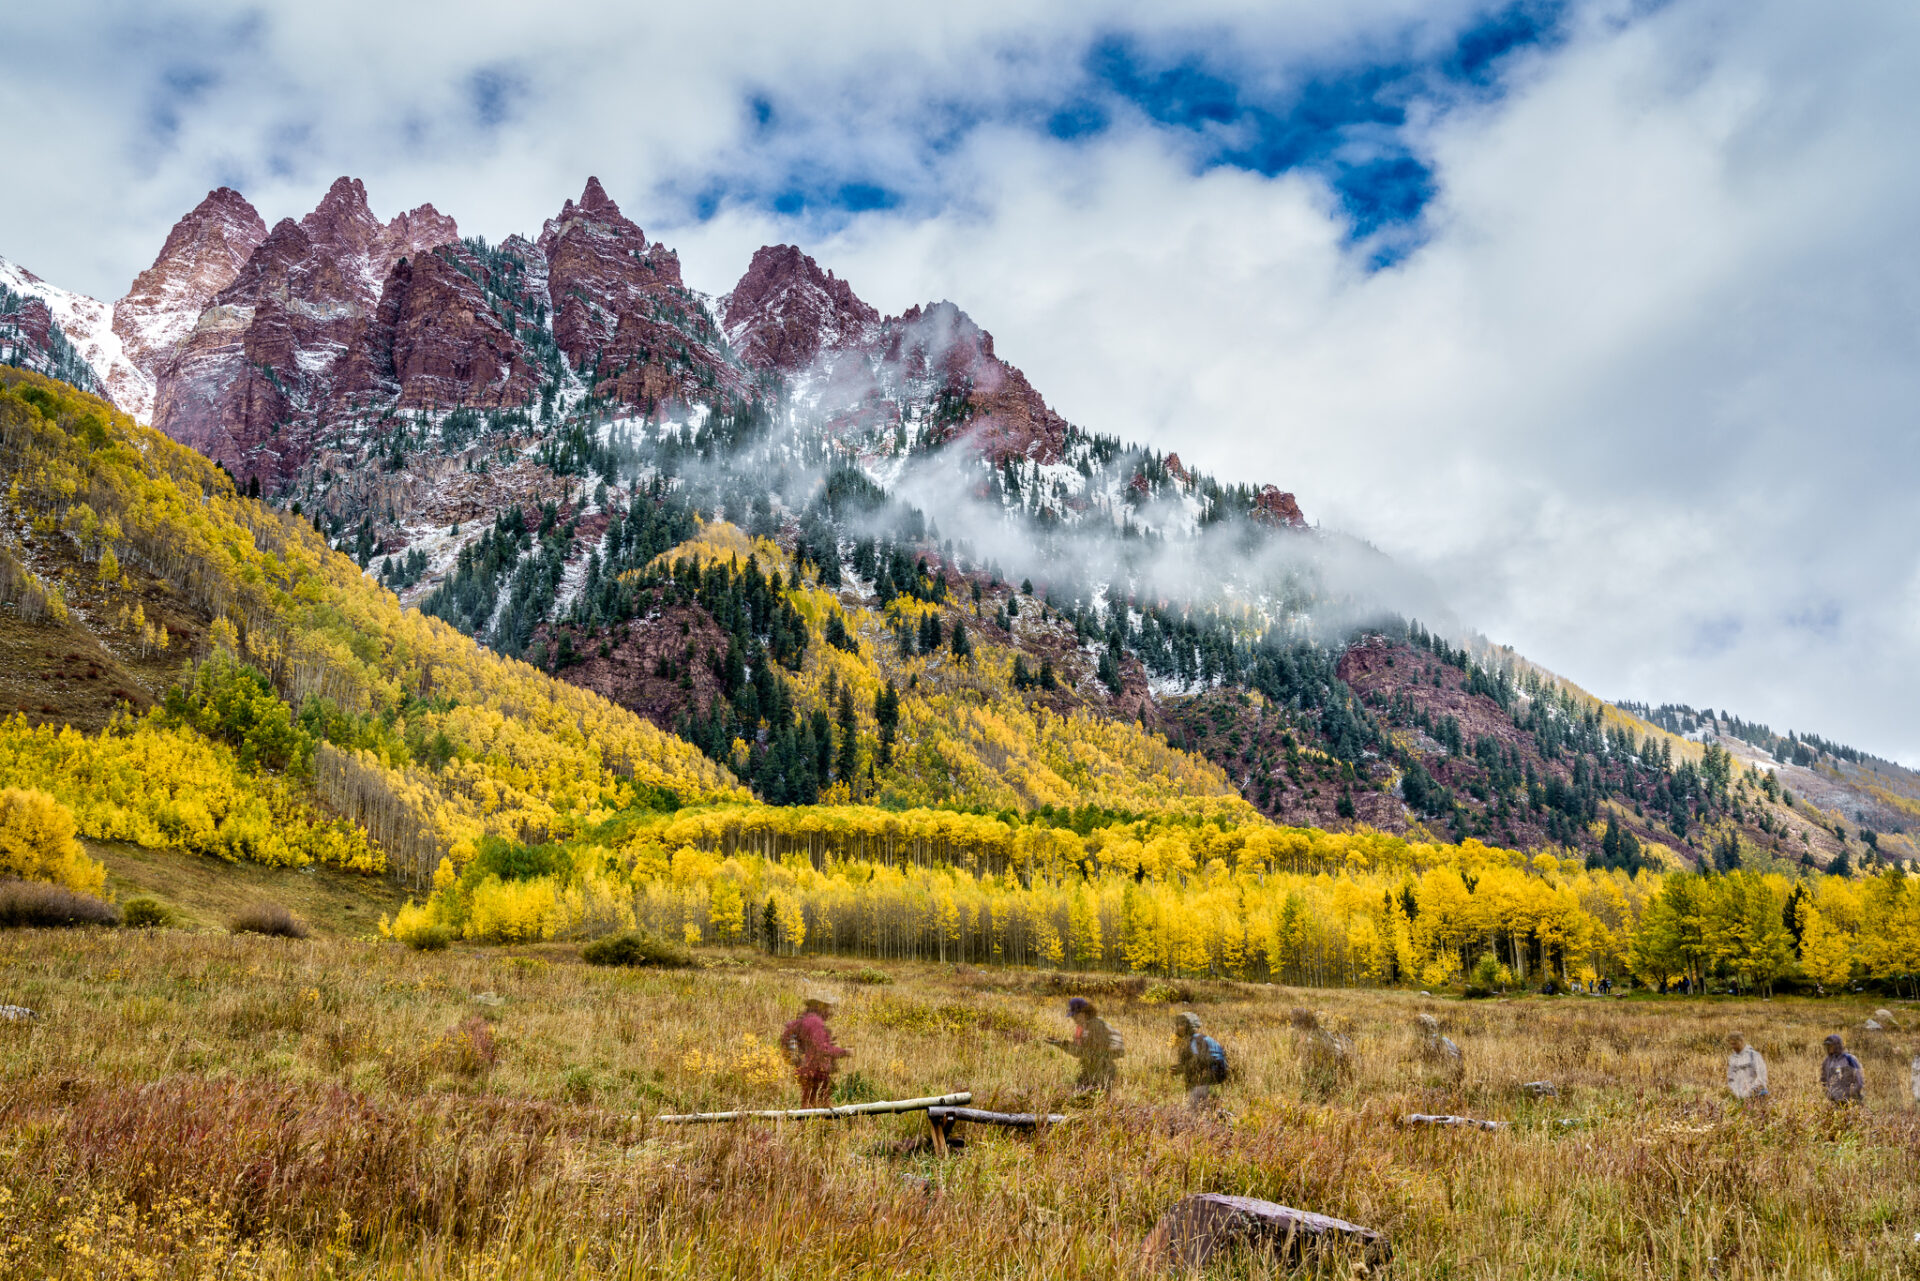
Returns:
(1746, 1070)
(1199, 1060)
(1328, 1055)
(1841, 1074)
(1096, 1045)
(1437, 1051)
(809, 1047)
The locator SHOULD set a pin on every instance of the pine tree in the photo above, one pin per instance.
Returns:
(848, 759)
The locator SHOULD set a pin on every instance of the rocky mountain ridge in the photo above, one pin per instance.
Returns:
(415, 395)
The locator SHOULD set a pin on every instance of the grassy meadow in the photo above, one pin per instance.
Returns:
(197, 1104)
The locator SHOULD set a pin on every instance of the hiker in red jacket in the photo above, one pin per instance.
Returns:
(809, 1047)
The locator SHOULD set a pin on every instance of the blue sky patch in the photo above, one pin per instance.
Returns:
(1351, 125)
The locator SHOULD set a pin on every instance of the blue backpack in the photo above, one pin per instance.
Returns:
(1212, 1055)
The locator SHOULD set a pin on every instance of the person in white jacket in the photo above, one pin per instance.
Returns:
(1746, 1070)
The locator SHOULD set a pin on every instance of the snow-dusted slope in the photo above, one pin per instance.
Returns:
(88, 325)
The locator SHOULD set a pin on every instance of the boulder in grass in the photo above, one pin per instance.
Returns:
(1465, 1122)
(1200, 1229)
(1542, 1089)
(16, 1014)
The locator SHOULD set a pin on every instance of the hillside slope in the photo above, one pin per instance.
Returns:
(425, 740)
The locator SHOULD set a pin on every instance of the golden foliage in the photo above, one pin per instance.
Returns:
(37, 842)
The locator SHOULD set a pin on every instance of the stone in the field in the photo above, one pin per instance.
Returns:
(1885, 1017)
(1873, 1025)
(16, 1013)
(1437, 1051)
(1542, 1089)
(1466, 1122)
(1198, 1229)
(488, 998)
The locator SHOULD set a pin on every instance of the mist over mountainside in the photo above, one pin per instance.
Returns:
(559, 447)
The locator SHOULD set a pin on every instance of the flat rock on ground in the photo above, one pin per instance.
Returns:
(1200, 1228)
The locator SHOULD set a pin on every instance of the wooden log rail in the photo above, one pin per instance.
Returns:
(941, 1120)
(824, 1114)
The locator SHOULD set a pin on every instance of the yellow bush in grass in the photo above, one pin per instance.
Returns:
(514, 911)
(37, 842)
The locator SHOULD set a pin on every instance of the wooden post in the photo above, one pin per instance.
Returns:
(937, 1130)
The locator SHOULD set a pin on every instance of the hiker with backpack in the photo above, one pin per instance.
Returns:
(809, 1046)
(1096, 1045)
(1199, 1060)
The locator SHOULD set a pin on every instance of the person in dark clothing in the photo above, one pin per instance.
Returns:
(809, 1047)
(1195, 1061)
(1093, 1043)
(1841, 1075)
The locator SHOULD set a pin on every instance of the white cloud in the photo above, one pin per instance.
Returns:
(1641, 404)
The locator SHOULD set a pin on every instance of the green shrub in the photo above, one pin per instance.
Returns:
(854, 1087)
(870, 977)
(428, 938)
(144, 913)
(636, 948)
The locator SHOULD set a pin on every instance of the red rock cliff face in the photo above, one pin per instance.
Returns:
(244, 385)
(869, 375)
(435, 342)
(26, 335)
(203, 254)
(622, 314)
(785, 311)
(976, 396)
(1273, 507)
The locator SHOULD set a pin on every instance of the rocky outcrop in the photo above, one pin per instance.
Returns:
(30, 339)
(202, 255)
(972, 394)
(436, 341)
(623, 316)
(245, 385)
(786, 311)
(866, 376)
(68, 336)
(1273, 507)
(1201, 1229)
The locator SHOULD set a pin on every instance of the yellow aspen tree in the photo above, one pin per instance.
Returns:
(1826, 952)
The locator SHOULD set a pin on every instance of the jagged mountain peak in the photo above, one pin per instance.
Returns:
(202, 255)
(786, 310)
(595, 212)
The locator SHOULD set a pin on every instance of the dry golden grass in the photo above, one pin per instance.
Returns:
(200, 1104)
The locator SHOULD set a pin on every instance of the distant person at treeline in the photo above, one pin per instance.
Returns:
(1746, 1070)
(809, 1047)
(1096, 1045)
(1199, 1060)
(1840, 1073)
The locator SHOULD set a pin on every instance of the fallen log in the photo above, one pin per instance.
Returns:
(1422, 1118)
(1007, 1120)
(941, 1120)
(1199, 1228)
(822, 1114)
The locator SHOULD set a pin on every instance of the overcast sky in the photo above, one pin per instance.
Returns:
(1605, 315)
